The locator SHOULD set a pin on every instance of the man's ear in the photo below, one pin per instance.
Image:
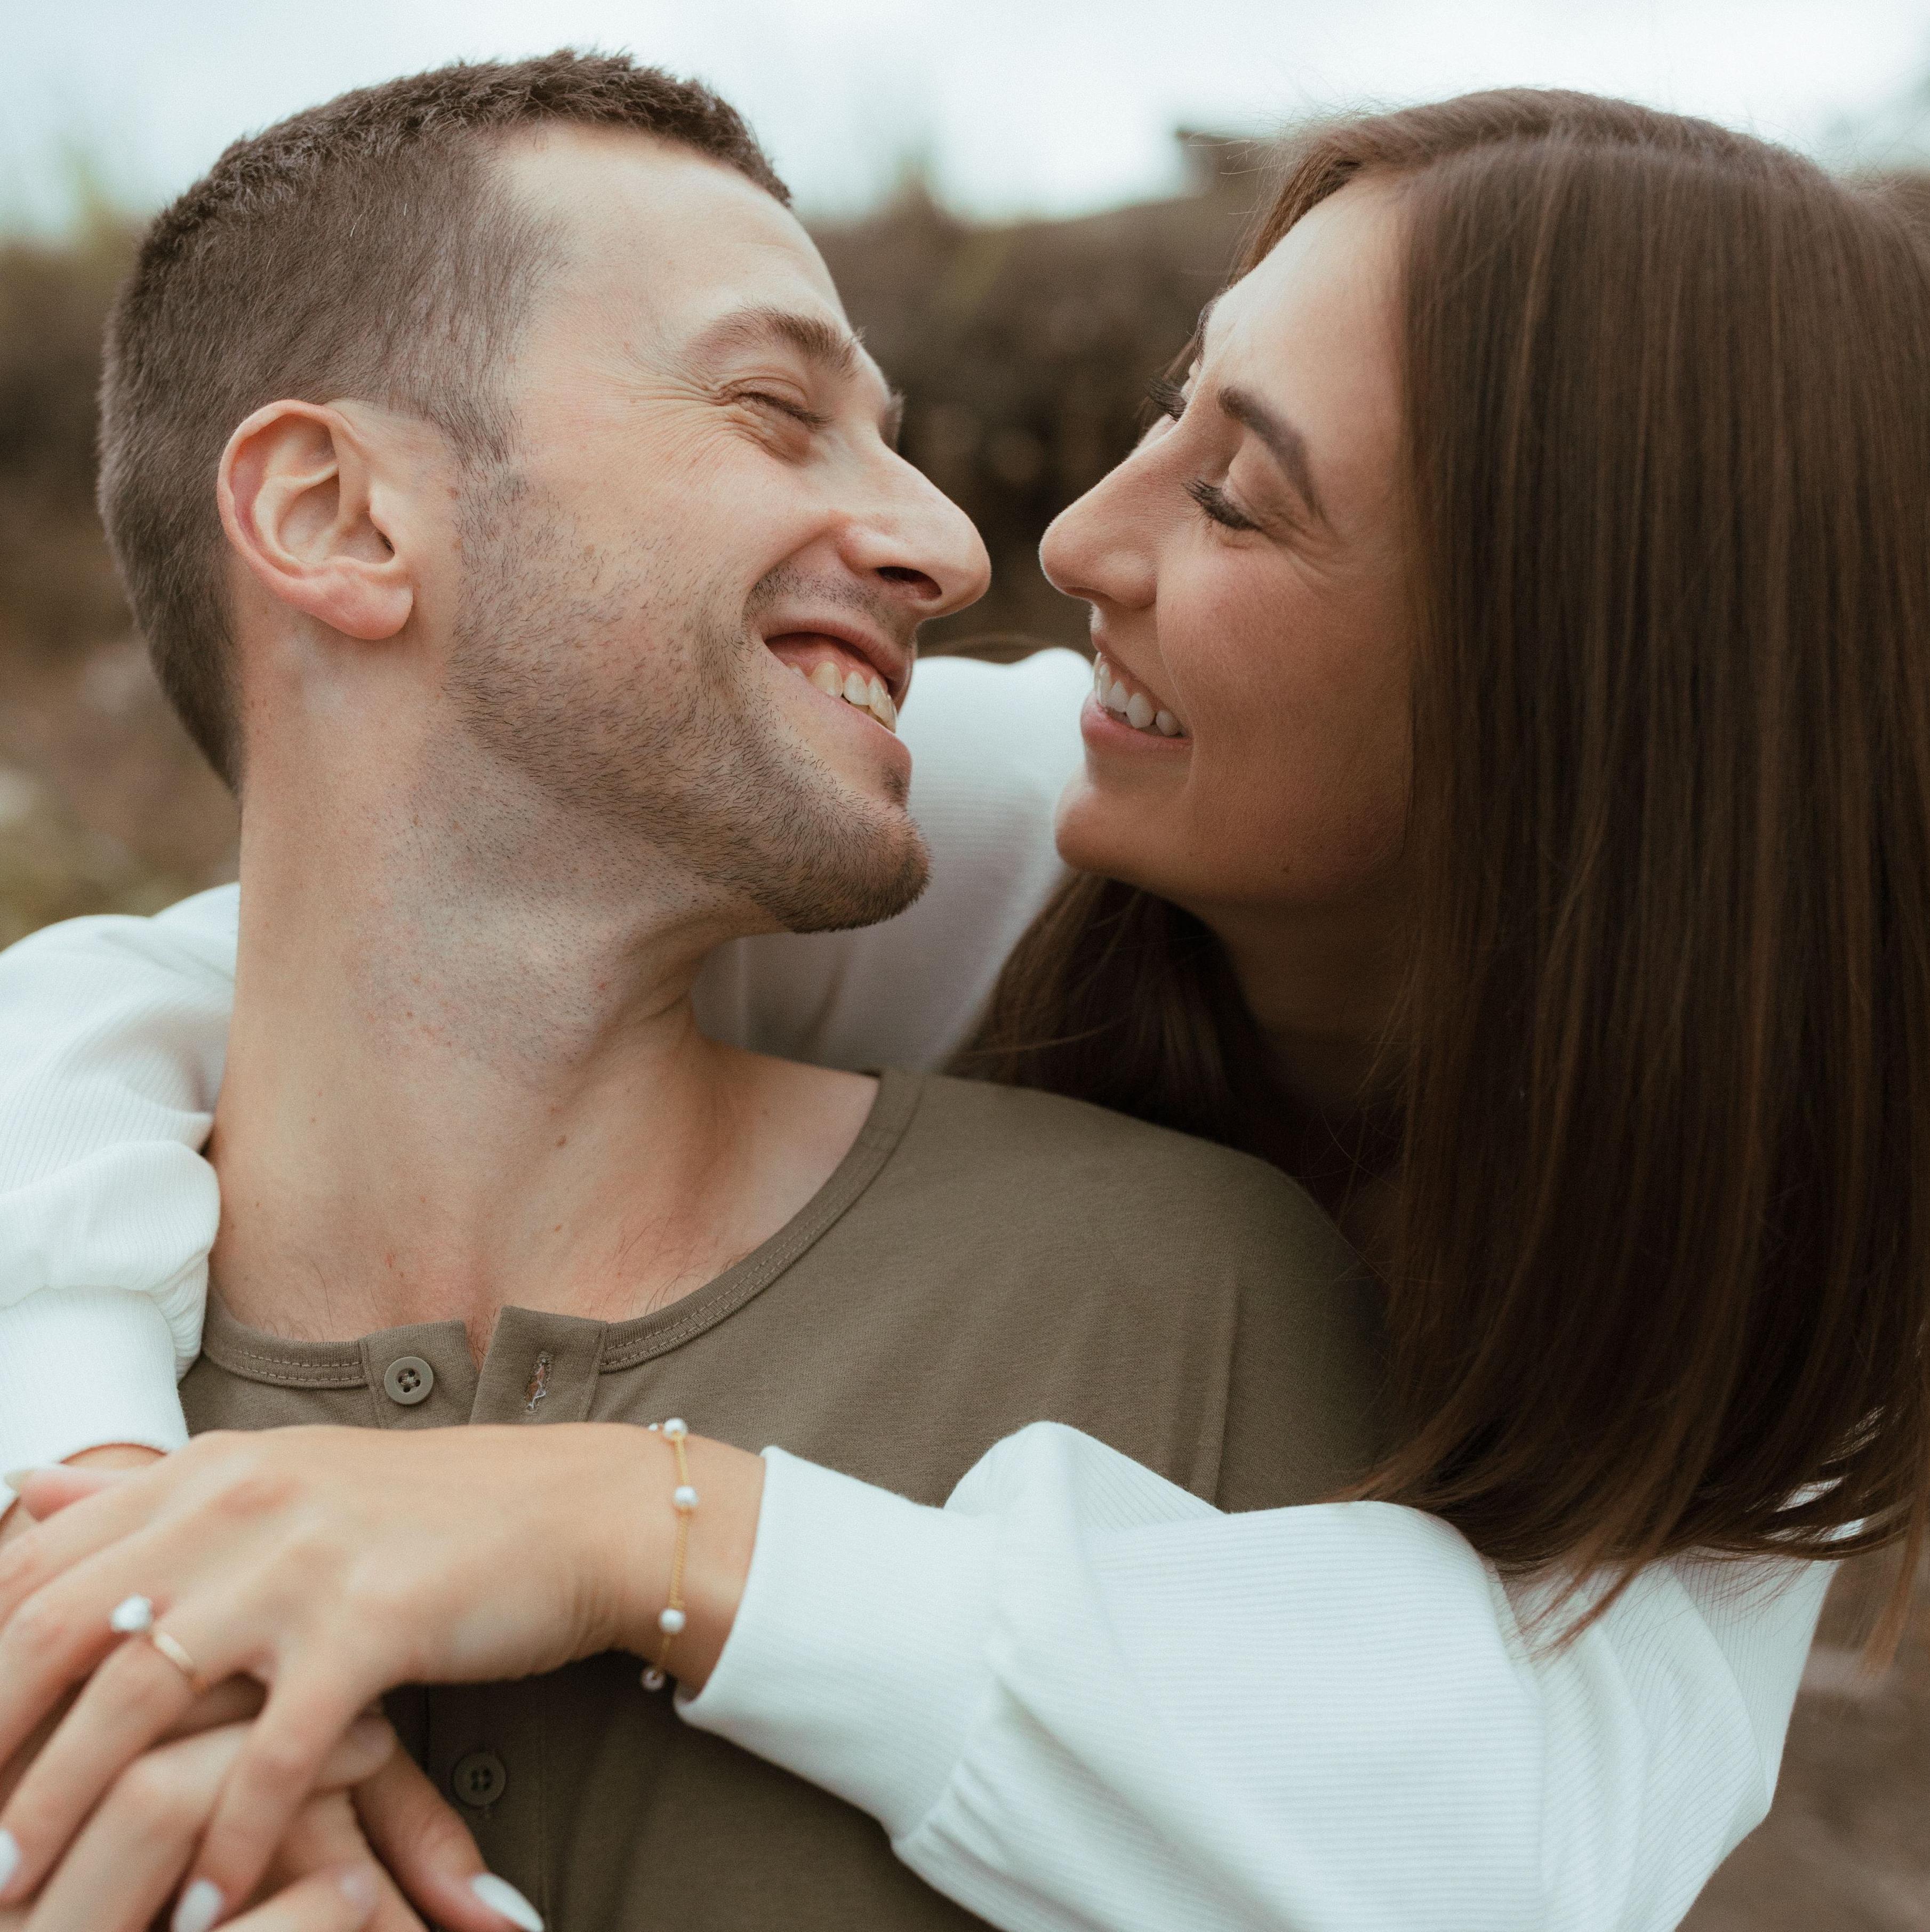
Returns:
(302, 507)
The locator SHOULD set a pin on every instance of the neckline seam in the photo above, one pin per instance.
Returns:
(344, 1365)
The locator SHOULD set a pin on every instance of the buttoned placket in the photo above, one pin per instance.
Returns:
(482, 1743)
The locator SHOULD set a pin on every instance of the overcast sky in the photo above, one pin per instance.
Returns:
(1017, 105)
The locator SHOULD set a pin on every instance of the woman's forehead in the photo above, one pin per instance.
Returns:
(1328, 276)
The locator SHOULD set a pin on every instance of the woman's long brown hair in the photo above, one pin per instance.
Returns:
(1662, 1268)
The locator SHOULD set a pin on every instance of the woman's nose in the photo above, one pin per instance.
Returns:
(1095, 548)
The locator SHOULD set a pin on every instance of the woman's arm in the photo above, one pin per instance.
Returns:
(113, 1032)
(1079, 1697)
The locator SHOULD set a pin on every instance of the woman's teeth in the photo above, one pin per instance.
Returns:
(1134, 707)
(866, 694)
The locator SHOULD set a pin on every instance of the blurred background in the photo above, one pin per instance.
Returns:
(1025, 203)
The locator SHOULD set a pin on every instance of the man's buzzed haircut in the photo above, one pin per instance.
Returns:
(364, 248)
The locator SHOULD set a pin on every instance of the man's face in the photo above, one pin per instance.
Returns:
(702, 534)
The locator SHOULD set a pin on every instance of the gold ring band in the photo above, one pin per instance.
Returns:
(177, 1655)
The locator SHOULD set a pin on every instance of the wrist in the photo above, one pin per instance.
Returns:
(640, 1549)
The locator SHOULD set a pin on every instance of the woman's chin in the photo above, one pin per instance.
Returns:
(1096, 830)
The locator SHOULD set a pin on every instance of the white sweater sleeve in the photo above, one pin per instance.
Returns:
(113, 1032)
(1077, 1697)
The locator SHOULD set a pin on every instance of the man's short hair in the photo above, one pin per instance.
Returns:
(364, 248)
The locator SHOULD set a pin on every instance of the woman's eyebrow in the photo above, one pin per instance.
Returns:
(1287, 445)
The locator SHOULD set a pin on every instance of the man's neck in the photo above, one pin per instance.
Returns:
(443, 1097)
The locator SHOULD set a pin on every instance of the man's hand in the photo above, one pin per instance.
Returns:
(332, 1564)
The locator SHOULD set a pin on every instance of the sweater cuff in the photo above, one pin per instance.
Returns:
(857, 1658)
(81, 1368)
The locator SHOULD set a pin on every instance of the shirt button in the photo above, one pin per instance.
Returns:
(409, 1380)
(479, 1779)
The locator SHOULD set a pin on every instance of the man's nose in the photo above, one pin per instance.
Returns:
(918, 545)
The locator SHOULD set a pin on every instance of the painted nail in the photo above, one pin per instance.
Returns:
(10, 1859)
(500, 1895)
(200, 1906)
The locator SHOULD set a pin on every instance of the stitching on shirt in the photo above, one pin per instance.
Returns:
(301, 1375)
(877, 1145)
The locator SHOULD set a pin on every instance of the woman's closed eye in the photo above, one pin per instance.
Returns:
(1170, 399)
(1218, 506)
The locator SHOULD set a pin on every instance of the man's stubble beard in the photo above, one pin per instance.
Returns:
(626, 690)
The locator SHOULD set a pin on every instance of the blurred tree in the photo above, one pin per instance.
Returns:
(57, 588)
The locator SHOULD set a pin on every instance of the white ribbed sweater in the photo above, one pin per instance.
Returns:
(1077, 1697)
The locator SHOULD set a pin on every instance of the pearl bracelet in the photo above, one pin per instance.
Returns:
(671, 1619)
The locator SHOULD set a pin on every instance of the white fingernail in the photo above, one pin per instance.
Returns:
(10, 1859)
(15, 1478)
(500, 1895)
(200, 1906)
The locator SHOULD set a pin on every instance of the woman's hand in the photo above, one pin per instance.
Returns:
(128, 1859)
(332, 1564)
(343, 1901)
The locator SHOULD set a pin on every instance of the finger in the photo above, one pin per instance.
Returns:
(344, 1901)
(56, 1636)
(361, 1753)
(134, 1700)
(233, 1702)
(428, 1849)
(128, 1860)
(129, 1857)
(278, 1768)
(45, 1492)
(53, 1641)
(88, 1525)
(327, 1834)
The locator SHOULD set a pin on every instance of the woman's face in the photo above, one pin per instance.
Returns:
(1245, 569)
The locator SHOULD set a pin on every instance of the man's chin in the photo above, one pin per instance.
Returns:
(862, 880)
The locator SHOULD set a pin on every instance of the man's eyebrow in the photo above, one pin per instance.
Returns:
(1288, 445)
(833, 349)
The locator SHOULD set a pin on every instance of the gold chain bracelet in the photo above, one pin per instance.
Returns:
(670, 1619)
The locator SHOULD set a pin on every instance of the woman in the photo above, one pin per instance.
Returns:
(1531, 575)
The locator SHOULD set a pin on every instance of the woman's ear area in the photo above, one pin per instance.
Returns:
(309, 508)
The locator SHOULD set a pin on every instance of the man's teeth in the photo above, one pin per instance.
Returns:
(868, 694)
(1134, 707)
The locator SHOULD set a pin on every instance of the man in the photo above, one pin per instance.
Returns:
(515, 518)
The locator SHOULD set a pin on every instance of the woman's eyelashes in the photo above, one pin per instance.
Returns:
(1170, 399)
(1219, 506)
